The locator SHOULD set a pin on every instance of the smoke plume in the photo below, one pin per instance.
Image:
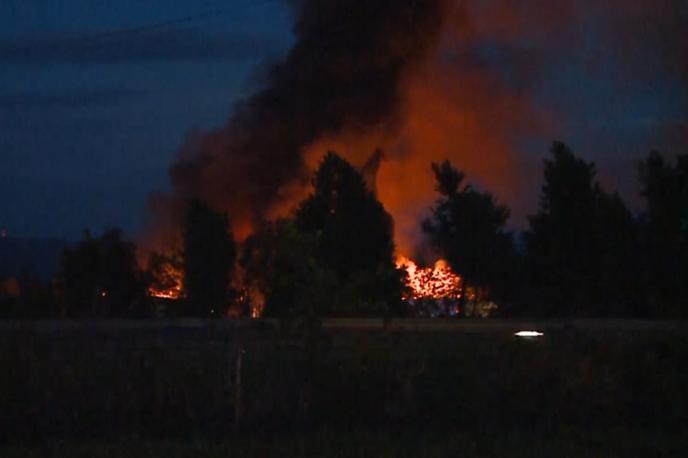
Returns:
(396, 84)
(342, 73)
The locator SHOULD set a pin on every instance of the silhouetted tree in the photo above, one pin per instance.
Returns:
(616, 289)
(354, 239)
(581, 242)
(282, 264)
(665, 233)
(100, 277)
(468, 228)
(209, 255)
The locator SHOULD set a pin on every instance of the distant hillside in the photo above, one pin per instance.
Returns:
(38, 257)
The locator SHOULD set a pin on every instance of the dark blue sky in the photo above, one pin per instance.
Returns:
(96, 96)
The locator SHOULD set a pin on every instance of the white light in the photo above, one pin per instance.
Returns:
(529, 334)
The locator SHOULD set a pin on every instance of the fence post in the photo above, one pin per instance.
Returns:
(237, 389)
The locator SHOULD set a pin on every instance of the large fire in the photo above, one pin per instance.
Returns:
(437, 282)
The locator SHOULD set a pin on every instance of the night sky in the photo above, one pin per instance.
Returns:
(97, 96)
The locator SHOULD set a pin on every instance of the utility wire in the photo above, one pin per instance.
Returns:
(139, 29)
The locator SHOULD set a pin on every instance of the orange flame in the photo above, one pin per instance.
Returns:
(257, 310)
(437, 282)
(169, 284)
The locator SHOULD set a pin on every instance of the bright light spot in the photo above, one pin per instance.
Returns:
(257, 310)
(529, 334)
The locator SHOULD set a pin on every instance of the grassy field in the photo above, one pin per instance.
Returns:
(351, 389)
(610, 444)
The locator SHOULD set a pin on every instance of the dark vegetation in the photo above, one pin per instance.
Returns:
(582, 245)
(209, 256)
(289, 387)
(468, 227)
(664, 233)
(584, 253)
(576, 392)
(100, 277)
(354, 239)
(334, 258)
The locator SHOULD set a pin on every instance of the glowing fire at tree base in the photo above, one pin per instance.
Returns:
(437, 282)
(437, 290)
(169, 282)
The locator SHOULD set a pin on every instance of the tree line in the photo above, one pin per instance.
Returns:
(583, 254)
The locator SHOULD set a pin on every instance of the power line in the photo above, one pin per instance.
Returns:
(124, 32)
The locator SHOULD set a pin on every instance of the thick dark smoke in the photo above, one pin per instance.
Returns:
(426, 80)
(342, 72)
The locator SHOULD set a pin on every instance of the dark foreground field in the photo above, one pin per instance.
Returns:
(354, 388)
